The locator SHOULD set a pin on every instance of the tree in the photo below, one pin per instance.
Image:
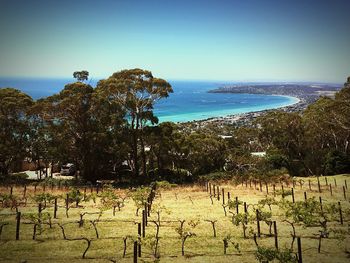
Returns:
(14, 128)
(70, 118)
(284, 132)
(342, 108)
(204, 153)
(81, 75)
(336, 162)
(327, 130)
(85, 130)
(137, 91)
(42, 148)
(160, 139)
(321, 133)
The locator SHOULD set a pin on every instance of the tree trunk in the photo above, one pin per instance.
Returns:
(183, 246)
(134, 132)
(143, 156)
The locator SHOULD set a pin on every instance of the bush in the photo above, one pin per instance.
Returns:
(215, 176)
(177, 176)
(277, 161)
(17, 178)
(164, 185)
(270, 254)
(336, 163)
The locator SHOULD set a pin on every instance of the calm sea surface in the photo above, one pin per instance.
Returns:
(190, 100)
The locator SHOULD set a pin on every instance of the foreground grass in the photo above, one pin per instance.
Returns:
(180, 203)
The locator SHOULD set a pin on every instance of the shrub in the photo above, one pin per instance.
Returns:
(336, 163)
(17, 178)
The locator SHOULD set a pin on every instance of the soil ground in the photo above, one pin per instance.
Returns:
(189, 203)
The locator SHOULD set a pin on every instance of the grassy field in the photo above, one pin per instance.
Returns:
(190, 203)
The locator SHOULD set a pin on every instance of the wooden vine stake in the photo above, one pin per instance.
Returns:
(218, 193)
(300, 257)
(144, 223)
(135, 252)
(55, 209)
(340, 213)
(223, 196)
(139, 235)
(319, 184)
(258, 222)
(275, 234)
(146, 211)
(139, 229)
(18, 223)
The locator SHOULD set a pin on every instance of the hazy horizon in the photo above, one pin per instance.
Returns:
(224, 41)
(214, 81)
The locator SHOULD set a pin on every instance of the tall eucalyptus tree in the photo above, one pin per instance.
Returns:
(136, 91)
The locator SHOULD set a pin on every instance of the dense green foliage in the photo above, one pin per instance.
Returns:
(111, 132)
(14, 126)
(107, 132)
(316, 142)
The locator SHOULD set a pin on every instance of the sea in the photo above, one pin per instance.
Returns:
(190, 100)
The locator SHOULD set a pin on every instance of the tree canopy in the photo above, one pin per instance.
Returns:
(111, 131)
(14, 126)
(81, 75)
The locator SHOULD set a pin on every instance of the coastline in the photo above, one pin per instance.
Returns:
(223, 114)
(239, 119)
(302, 94)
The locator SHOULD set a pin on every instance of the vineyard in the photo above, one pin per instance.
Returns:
(300, 220)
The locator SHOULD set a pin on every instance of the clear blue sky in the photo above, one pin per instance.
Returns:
(241, 40)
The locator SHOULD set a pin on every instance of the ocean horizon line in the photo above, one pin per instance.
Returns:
(216, 81)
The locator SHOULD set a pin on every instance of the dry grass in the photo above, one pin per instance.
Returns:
(181, 203)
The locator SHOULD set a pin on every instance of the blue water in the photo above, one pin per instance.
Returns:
(190, 100)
